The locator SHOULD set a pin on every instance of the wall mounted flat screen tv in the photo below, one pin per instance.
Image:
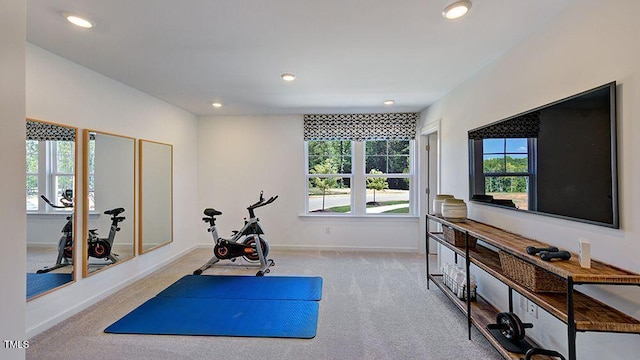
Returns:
(558, 159)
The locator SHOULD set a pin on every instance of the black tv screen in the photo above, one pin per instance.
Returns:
(558, 159)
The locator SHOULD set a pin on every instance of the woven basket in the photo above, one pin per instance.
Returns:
(530, 276)
(457, 238)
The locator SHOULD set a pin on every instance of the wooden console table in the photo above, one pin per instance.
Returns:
(579, 311)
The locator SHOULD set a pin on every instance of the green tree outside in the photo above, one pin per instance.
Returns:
(376, 183)
(324, 183)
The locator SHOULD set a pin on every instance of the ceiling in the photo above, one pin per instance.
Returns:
(348, 55)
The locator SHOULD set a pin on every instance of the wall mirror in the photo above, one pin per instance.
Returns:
(109, 205)
(51, 164)
(156, 195)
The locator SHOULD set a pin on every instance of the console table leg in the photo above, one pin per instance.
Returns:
(571, 323)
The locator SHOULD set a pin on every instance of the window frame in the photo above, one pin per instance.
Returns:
(358, 177)
(47, 175)
(530, 174)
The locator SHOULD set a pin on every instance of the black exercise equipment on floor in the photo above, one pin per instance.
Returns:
(509, 331)
(101, 248)
(248, 242)
(65, 244)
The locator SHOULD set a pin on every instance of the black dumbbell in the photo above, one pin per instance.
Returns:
(534, 250)
(550, 255)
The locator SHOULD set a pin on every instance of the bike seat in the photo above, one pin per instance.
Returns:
(212, 212)
(114, 212)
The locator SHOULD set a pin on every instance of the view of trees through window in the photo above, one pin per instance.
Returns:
(330, 168)
(330, 177)
(50, 171)
(388, 164)
(506, 169)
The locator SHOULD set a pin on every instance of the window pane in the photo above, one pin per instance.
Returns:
(387, 156)
(329, 195)
(398, 147)
(376, 147)
(517, 163)
(32, 157)
(329, 157)
(92, 192)
(378, 163)
(492, 146)
(65, 157)
(32, 193)
(517, 146)
(493, 164)
(62, 183)
(92, 156)
(398, 164)
(388, 195)
(509, 187)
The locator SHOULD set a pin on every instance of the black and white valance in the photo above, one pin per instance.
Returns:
(523, 126)
(360, 127)
(43, 131)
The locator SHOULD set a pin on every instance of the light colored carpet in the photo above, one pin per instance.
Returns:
(374, 306)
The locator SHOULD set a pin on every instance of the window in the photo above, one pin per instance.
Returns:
(329, 176)
(506, 167)
(381, 186)
(91, 186)
(388, 176)
(32, 175)
(359, 164)
(50, 171)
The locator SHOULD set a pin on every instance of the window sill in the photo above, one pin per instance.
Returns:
(374, 217)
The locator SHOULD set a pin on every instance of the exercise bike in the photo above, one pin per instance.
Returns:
(101, 248)
(247, 242)
(65, 244)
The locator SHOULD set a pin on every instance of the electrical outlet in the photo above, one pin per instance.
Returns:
(533, 310)
(327, 230)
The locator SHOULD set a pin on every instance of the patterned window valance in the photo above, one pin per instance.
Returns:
(523, 126)
(43, 131)
(360, 127)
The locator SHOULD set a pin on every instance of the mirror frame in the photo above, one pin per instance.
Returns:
(141, 164)
(85, 200)
(74, 219)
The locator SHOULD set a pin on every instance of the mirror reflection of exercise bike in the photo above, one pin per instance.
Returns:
(243, 242)
(101, 248)
(65, 244)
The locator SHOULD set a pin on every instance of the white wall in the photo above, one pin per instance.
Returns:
(60, 91)
(241, 155)
(13, 14)
(586, 46)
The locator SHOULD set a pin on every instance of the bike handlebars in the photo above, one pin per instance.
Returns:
(262, 202)
(65, 204)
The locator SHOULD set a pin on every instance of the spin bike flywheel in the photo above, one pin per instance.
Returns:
(99, 249)
(253, 257)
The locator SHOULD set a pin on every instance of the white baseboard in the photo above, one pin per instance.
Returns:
(288, 247)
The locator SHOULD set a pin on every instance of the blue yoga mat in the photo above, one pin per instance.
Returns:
(246, 287)
(221, 317)
(39, 283)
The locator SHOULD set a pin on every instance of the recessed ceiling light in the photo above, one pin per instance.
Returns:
(78, 20)
(389, 102)
(457, 9)
(288, 77)
(216, 105)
